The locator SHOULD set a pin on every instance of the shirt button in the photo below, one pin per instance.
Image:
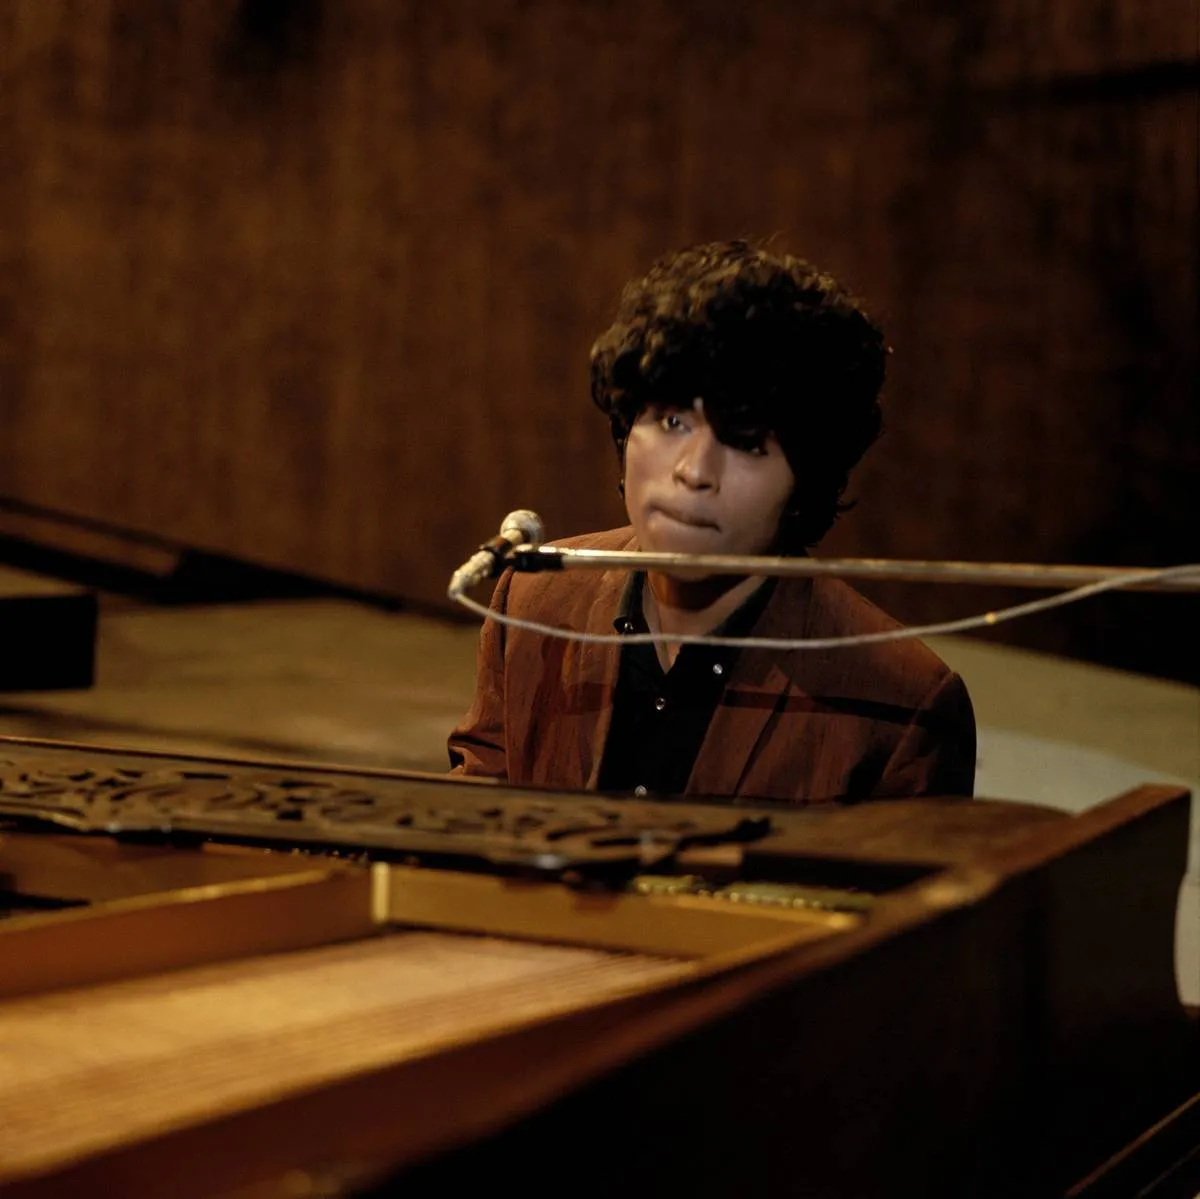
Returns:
(718, 669)
(639, 790)
(659, 704)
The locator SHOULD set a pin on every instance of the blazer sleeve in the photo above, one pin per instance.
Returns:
(476, 745)
(936, 754)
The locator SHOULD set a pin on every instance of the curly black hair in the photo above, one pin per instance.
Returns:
(772, 345)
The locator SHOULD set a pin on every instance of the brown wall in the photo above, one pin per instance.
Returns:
(313, 283)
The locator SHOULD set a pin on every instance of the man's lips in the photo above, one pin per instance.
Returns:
(691, 519)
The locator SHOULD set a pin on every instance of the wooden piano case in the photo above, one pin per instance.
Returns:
(252, 979)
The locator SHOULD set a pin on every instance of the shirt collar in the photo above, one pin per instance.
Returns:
(629, 618)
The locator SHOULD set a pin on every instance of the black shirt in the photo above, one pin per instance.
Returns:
(660, 718)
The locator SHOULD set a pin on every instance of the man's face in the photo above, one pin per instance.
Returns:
(687, 492)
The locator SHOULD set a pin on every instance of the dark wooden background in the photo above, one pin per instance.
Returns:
(312, 282)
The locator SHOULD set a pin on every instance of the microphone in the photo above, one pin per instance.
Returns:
(519, 528)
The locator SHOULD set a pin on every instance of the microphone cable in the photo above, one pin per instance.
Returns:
(962, 625)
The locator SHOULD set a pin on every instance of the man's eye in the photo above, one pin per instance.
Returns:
(671, 421)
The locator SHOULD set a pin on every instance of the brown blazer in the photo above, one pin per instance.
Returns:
(867, 722)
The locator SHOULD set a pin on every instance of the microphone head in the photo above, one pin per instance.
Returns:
(523, 524)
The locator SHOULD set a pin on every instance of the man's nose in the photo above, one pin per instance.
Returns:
(698, 465)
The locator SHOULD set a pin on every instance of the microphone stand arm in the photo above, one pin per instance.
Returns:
(527, 558)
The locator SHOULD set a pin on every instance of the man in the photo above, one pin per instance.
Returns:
(741, 388)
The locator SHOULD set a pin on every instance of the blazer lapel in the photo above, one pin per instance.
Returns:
(597, 676)
(758, 686)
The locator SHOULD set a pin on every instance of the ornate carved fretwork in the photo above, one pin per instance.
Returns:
(391, 816)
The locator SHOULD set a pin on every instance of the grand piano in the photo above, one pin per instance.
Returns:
(232, 978)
